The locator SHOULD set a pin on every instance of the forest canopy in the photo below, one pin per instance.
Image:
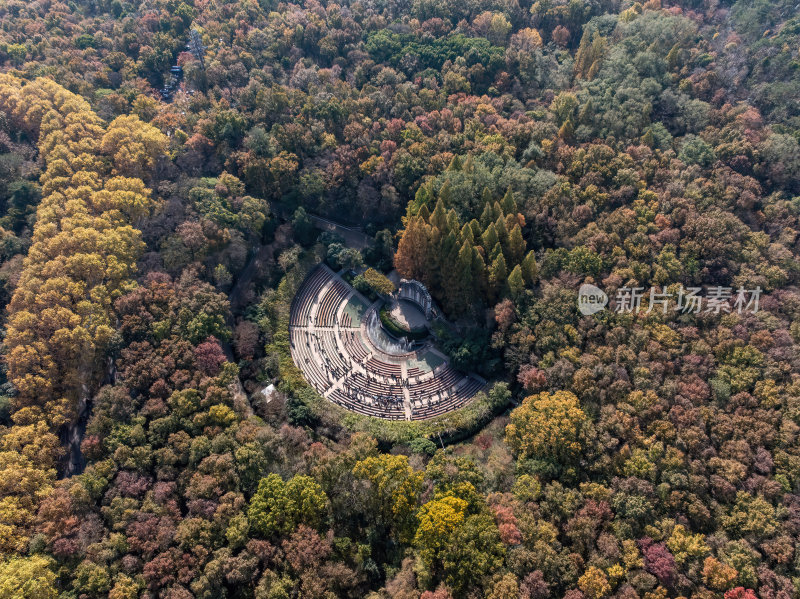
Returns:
(170, 173)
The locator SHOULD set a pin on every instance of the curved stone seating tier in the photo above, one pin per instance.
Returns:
(355, 347)
(383, 368)
(339, 361)
(459, 397)
(332, 299)
(304, 300)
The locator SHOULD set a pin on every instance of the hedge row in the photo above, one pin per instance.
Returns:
(396, 329)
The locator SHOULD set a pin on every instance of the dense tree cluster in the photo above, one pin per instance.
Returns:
(502, 152)
(83, 255)
(466, 265)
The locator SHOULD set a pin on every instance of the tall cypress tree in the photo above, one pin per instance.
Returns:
(530, 270)
(446, 195)
(466, 282)
(453, 223)
(508, 203)
(413, 250)
(498, 276)
(516, 282)
(500, 227)
(424, 213)
(467, 234)
(439, 217)
(479, 273)
(443, 260)
(487, 216)
(497, 210)
(489, 238)
(497, 250)
(515, 247)
(477, 231)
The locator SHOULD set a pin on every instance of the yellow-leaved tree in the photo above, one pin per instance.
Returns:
(83, 256)
(394, 489)
(548, 426)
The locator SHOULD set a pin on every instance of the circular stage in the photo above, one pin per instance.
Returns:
(369, 371)
(408, 315)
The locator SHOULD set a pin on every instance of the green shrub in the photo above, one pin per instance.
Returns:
(398, 330)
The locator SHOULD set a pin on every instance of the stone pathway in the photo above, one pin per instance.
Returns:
(406, 394)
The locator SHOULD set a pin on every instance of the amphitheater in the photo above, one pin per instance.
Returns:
(337, 341)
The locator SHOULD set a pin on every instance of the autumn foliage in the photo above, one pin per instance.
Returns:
(158, 442)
